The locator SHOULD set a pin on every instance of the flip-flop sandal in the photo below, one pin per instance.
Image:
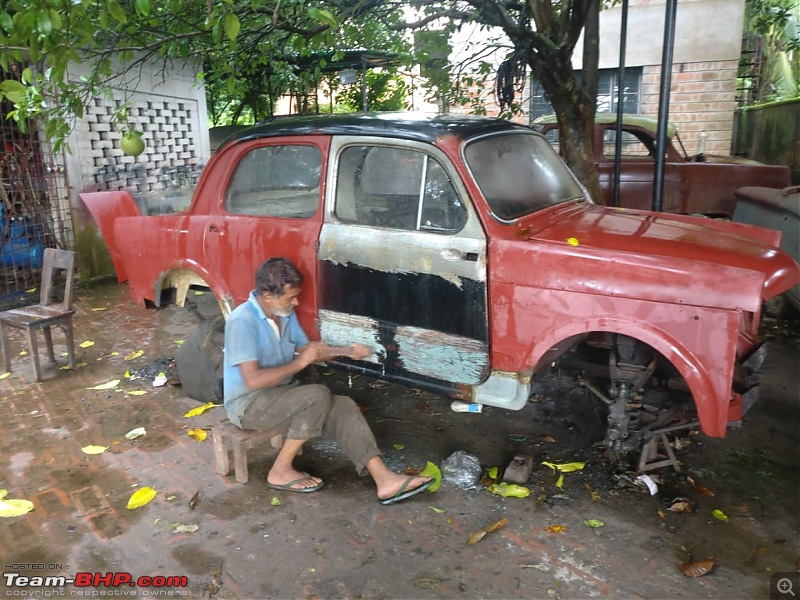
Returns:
(404, 493)
(287, 487)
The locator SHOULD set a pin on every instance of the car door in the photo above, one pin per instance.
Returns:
(402, 263)
(270, 205)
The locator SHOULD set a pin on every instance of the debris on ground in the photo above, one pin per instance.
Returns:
(697, 569)
(141, 497)
(431, 470)
(150, 371)
(681, 505)
(519, 469)
(462, 469)
(13, 507)
(135, 433)
(185, 527)
(509, 490)
(477, 536)
(652, 486)
(700, 489)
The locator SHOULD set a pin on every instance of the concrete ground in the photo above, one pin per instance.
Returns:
(251, 542)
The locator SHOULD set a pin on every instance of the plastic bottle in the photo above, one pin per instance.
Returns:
(701, 142)
(458, 406)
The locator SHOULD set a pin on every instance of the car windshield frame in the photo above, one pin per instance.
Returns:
(519, 174)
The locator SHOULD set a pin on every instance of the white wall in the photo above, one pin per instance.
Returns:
(705, 31)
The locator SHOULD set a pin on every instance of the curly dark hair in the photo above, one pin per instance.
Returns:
(275, 273)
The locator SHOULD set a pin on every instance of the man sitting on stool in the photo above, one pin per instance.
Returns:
(264, 348)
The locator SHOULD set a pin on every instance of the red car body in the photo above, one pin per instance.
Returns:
(492, 267)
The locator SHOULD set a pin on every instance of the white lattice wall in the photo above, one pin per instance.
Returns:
(170, 111)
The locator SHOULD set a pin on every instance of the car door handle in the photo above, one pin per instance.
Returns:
(216, 229)
(456, 254)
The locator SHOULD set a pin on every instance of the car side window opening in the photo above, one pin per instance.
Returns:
(633, 145)
(276, 181)
(396, 188)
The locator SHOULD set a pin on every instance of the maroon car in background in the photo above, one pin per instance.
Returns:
(693, 184)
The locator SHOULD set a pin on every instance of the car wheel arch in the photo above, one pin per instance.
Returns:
(183, 277)
(551, 342)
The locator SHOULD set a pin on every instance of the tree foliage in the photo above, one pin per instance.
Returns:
(777, 24)
(248, 51)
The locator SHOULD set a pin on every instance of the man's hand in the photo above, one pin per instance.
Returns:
(320, 351)
(314, 352)
(360, 352)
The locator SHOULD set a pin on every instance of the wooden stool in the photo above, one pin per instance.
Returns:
(240, 440)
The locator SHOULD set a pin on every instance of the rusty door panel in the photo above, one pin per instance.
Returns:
(421, 312)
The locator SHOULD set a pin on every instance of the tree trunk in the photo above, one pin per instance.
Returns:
(575, 111)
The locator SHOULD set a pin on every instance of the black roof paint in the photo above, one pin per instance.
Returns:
(408, 126)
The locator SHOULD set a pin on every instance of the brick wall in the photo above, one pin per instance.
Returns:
(701, 99)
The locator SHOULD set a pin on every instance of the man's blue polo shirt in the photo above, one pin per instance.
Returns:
(248, 337)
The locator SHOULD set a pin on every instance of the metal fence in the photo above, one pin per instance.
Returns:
(35, 210)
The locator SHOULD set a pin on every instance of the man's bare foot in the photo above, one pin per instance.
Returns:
(299, 480)
(391, 485)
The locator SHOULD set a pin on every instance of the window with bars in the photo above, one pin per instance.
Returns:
(607, 80)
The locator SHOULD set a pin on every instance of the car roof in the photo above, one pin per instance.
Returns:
(423, 127)
(608, 118)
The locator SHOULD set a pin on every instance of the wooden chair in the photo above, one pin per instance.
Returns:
(46, 314)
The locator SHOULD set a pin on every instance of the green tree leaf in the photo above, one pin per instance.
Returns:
(323, 16)
(143, 6)
(116, 11)
(43, 23)
(232, 25)
(6, 22)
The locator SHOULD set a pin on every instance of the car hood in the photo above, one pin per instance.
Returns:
(662, 257)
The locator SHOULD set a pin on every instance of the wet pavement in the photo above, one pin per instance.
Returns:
(253, 543)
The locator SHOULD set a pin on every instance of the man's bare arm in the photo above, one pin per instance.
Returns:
(256, 378)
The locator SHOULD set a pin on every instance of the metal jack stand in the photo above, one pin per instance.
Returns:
(651, 458)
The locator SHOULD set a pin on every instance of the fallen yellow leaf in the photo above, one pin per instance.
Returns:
(565, 467)
(109, 385)
(200, 409)
(24, 353)
(556, 529)
(115, 353)
(137, 392)
(509, 490)
(141, 497)
(134, 354)
(179, 342)
(198, 434)
(97, 308)
(94, 449)
(86, 344)
(13, 507)
(6, 374)
(593, 523)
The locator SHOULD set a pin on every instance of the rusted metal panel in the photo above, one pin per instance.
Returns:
(411, 349)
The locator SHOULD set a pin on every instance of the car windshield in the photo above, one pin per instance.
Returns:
(520, 174)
